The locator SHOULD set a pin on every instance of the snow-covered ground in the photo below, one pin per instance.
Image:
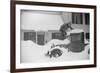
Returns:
(32, 52)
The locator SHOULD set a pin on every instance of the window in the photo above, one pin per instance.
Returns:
(77, 18)
(30, 36)
(81, 18)
(57, 35)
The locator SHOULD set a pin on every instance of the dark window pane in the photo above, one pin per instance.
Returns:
(87, 18)
(87, 35)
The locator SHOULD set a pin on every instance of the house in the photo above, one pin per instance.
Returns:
(42, 26)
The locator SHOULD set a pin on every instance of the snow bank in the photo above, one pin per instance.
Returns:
(56, 41)
(32, 52)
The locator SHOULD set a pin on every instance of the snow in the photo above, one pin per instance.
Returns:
(32, 52)
(56, 41)
(74, 31)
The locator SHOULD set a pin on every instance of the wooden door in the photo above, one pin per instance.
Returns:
(40, 39)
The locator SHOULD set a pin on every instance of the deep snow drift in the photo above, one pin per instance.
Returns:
(32, 52)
